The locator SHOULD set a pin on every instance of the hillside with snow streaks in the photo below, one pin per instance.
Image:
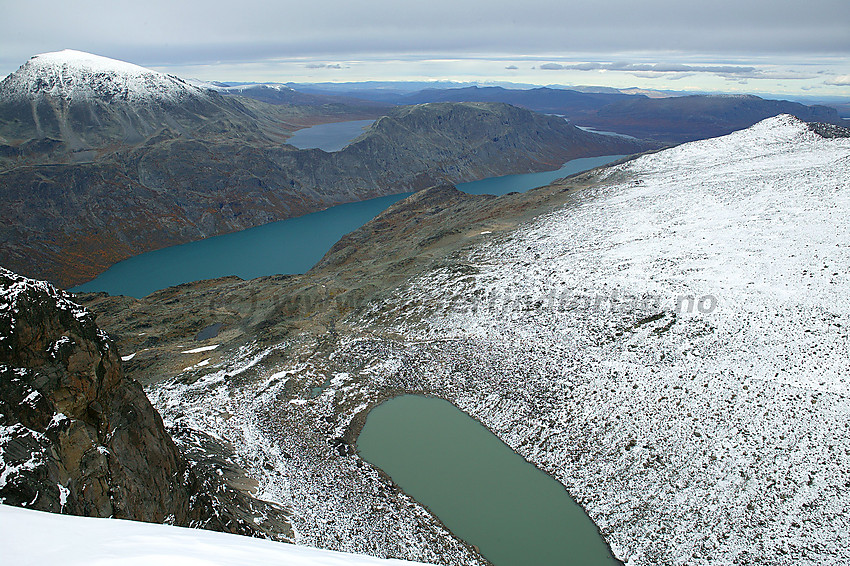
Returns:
(76, 76)
(704, 431)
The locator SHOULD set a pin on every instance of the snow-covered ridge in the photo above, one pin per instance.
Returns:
(77, 76)
(35, 537)
(682, 332)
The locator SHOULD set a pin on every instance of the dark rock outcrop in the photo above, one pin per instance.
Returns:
(78, 437)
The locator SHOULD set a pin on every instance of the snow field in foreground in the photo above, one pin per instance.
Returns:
(34, 537)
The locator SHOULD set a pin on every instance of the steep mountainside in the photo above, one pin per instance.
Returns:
(208, 164)
(80, 438)
(666, 337)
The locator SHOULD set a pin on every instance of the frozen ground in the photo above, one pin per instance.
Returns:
(85, 541)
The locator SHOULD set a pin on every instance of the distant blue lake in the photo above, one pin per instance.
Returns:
(284, 247)
(526, 181)
(329, 137)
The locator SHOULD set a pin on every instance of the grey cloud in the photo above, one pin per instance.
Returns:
(655, 68)
(323, 66)
(843, 80)
(164, 32)
(512, 67)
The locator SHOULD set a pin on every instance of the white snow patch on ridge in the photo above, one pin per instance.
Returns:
(84, 541)
(201, 349)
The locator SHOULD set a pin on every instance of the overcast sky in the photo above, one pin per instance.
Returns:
(713, 45)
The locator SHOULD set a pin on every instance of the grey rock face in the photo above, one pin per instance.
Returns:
(78, 437)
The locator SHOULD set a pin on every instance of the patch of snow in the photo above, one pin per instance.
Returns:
(128, 357)
(201, 349)
(64, 492)
(200, 364)
(85, 541)
(31, 398)
(9, 468)
(57, 420)
(53, 350)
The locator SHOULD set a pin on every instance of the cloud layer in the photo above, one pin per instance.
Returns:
(163, 31)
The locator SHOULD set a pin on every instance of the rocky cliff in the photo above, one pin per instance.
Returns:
(78, 437)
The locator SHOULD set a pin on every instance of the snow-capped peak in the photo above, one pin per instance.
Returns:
(77, 76)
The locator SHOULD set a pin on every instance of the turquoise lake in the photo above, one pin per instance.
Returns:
(483, 491)
(284, 247)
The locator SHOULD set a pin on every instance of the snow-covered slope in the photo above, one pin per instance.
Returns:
(36, 538)
(77, 76)
(673, 347)
(86, 101)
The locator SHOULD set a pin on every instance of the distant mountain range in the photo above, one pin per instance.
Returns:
(101, 160)
(673, 119)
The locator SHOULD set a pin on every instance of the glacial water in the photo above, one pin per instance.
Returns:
(483, 491)
(284, 247)
(329, 137)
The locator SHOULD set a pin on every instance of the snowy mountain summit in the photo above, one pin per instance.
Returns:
(76, 76)
(84, 101)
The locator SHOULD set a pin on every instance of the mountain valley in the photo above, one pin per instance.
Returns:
(567, 334)
(142, 172)
(665, 336)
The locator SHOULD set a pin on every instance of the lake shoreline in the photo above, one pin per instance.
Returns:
(313, 235)
(358, 423)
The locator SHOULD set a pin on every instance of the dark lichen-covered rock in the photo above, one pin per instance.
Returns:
(76, 436)
(829, 130)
